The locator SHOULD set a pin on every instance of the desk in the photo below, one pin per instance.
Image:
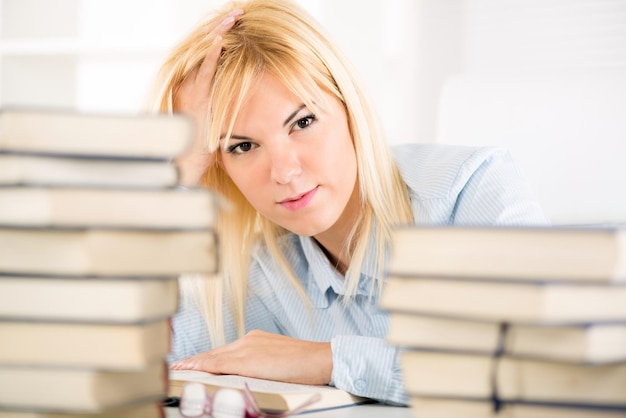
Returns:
(359, 411)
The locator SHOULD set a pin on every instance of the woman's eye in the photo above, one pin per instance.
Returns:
(240, 148)
(304, 122)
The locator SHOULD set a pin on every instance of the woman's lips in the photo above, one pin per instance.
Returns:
(299, 201)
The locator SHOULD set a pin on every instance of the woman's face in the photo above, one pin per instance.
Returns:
(295, 167)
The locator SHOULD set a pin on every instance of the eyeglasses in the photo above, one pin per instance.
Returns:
(196, 402)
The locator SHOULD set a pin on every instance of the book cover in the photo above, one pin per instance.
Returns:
(65, 133)
(505, 301)
(121, 252)
(81, 344)
(446, 374)
(107, 207)
(79, 390)
(424, 407)
(510, 253)
(87, 299)
(139, 410)
(270, 395)
(55, 170)
(587, 343)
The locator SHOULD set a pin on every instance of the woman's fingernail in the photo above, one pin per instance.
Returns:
(228, 20)
(236, 12)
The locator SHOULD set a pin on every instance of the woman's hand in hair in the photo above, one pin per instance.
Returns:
(268, 356)
(192, 98)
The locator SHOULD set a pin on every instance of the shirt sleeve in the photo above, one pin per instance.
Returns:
(368, 367)
(456, 185)
(190, 333)
(490, 189)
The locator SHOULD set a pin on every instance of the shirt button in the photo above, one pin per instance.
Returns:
(360, 384)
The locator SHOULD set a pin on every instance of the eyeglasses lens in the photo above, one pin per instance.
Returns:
(193, 400)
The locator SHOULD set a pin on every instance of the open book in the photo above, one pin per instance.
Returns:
(270, 395)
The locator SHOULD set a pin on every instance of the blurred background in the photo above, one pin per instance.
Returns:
(544, 78)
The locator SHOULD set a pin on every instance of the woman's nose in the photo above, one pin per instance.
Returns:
(285, 165)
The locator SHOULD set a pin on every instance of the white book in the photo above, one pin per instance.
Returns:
(80, 390)
(102, 299)
(60, 132)
(140, 410)
(518, 302)
(534, 254)
(112, 252)
(481, 377)
(84, 344)
(588, 343)
(23, 169)
(107, 207)
(423, 407)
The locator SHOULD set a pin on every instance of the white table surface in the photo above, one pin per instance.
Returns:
(360, 411)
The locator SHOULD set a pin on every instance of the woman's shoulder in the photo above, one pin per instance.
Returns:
(436, 170)
(466, 185)
(426, 151)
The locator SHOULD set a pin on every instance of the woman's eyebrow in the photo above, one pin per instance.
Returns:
(293, 115)
(236, 137)
(246, 138)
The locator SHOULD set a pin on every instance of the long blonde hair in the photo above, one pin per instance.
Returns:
(279, 37)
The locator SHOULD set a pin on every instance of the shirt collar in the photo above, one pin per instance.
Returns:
(322, 273)
(324, 276)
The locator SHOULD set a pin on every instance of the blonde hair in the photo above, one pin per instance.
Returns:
(280, 38)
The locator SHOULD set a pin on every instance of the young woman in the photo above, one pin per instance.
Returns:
(287, 136)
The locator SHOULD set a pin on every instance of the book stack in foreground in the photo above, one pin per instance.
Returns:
(93, 235)
(511, 322)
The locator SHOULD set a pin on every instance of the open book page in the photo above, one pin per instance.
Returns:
(270, 395)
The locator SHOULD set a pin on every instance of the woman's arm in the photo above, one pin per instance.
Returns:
(192, 99)
(266, 355)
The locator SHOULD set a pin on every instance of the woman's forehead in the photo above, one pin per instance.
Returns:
(295, 87)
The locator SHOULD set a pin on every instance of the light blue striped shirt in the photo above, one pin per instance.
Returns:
(449, 185)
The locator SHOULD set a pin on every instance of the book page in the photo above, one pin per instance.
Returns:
(270, 395)
(233, 381)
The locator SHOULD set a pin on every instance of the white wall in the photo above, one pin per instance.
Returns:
(92, 55)
(547, 80)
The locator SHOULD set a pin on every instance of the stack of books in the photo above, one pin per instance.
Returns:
(512, 322)
(94, 233)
